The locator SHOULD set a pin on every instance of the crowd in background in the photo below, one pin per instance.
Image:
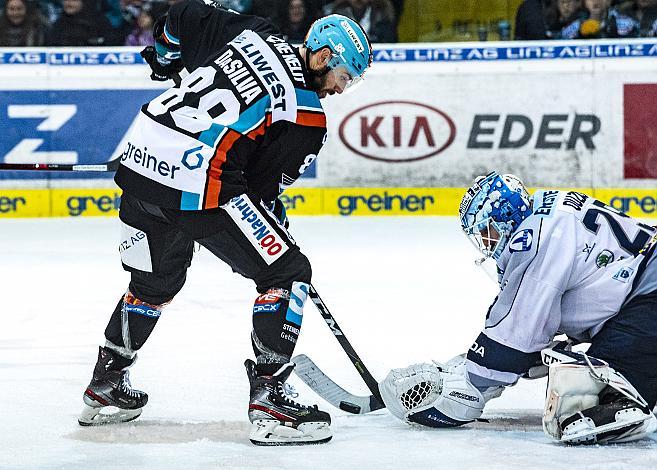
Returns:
(586, 19)
(129, 22)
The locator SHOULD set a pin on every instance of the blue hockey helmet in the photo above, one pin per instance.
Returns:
(347, 41)
(492, 209)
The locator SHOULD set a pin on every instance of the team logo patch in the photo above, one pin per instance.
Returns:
(604, 258)
(624, 274)
(521, 241)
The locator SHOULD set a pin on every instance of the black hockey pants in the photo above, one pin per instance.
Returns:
(243, 234)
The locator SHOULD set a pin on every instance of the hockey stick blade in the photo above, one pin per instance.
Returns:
(112, 165)
(326, 388)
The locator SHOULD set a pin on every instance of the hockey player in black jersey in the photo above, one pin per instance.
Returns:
(205, 162)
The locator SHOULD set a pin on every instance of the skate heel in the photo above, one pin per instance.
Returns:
(267, 432)
(99, 415)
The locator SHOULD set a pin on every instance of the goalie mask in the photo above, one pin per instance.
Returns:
(492, 209)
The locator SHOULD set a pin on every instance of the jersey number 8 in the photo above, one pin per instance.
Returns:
(215, 106)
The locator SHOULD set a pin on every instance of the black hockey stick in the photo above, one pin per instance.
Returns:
(112, 165)
(370, 381)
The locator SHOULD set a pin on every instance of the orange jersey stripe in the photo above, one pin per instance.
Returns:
(260, 130)
(311, 119)
(213, 187)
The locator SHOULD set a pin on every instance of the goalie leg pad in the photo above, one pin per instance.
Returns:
(589, 402)
(614, 421)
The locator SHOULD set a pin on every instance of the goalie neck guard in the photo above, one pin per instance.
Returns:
(492, 209)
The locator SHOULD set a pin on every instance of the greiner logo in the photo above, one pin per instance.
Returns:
(79, 205)
(143, 158)
(10, 204)
(646, 204)
(386, 202)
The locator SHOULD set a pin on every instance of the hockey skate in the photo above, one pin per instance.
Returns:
(277, 419)
(616, 419)
(110, 398)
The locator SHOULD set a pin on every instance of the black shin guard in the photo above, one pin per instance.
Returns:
(277, 316)
(131, 324)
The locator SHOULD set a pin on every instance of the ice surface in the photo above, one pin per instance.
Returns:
(403, 290)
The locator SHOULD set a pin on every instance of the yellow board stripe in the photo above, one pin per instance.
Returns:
(304, 201)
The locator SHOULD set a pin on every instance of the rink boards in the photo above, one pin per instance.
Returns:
(345, 202)
(428, 120)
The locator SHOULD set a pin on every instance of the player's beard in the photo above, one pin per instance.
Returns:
(319, 83)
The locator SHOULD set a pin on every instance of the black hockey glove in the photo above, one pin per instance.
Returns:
(278, 209)
(162, 68)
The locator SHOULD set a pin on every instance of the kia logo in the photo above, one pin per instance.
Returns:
(397, 131)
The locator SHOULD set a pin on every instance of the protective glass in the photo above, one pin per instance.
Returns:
(346, 76)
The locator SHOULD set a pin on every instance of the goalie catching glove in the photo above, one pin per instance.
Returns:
(434, 395)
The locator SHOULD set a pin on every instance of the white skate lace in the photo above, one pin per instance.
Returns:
(289, 393)
(126, 386)
(289, 390)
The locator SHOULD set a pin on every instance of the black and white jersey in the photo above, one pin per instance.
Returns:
(567, 269)
(246, 120)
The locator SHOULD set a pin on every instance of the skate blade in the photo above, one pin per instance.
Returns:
(584, 432)
(272, 433)
(98, 416)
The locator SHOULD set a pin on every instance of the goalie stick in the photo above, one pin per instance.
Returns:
(357, 405)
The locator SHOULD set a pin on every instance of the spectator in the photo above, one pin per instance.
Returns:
(601, 21)
(21, 25)
(142, 35)
(50, 9)
(560, 16)
(376, 17)
(297, 19)
(530, 20)
(79, 25)
(645, 12)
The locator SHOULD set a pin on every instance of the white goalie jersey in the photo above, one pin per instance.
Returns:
(567, 269)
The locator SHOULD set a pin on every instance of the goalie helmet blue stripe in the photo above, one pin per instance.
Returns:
(345, 38)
